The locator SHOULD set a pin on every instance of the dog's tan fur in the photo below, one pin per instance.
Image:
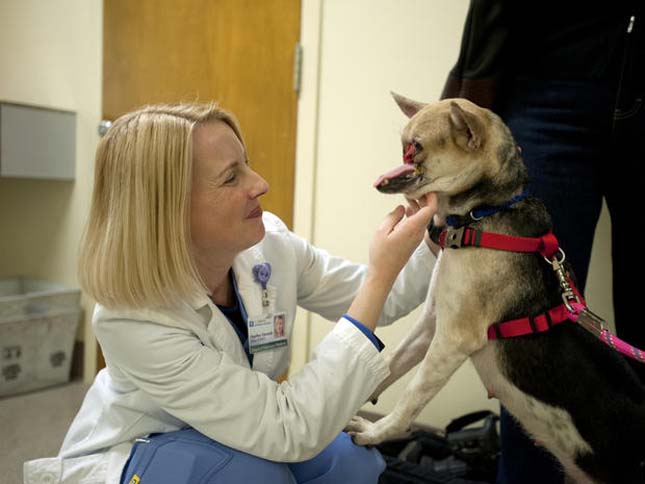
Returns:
(463, 146)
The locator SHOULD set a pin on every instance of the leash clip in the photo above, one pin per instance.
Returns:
(568, 296)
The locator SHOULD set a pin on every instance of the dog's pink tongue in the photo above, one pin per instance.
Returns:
(398, 171)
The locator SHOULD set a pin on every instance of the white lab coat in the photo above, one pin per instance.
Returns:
(168, 369)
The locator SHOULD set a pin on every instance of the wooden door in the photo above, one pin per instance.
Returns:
(239, 53)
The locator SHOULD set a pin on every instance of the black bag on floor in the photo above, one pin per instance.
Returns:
(457, 456)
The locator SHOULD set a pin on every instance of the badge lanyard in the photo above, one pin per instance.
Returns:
(266, 331)
(261, 275)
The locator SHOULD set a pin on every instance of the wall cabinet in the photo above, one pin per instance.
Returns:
(37, 142)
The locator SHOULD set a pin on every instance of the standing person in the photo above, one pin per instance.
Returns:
(187, 271)
(568, 78)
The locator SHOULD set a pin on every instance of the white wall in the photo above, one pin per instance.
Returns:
(50, 55)
(355, 52)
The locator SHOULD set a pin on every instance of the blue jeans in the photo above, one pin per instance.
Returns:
(188, 457)
(578, 149)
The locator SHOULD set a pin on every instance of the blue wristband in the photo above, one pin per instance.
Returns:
(364, 329)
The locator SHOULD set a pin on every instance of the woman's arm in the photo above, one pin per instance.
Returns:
(392, 246)
(327, 285)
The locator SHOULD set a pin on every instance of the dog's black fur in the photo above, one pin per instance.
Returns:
(568, 367)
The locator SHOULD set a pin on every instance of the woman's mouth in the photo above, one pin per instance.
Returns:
(257, 212)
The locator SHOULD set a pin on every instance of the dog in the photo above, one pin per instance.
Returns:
(573, 394)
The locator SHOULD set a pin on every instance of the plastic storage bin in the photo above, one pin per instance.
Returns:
(38, 322)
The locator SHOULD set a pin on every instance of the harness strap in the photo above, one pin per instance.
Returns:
(547, 245)
(529, 325)
(540, 323)
(545, 321)
(574, 307)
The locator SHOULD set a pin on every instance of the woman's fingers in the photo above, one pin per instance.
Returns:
(430, 200)
(419, 220)
(427, 200)
(412, 208)
(392, 219)
(415, 218)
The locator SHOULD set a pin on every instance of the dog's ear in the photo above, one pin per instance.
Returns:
(467, 129)
(408, 106)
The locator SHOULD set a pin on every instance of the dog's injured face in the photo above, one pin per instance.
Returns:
(404, 178)
(445, 148)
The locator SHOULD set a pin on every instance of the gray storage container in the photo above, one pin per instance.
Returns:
(37, 142)
(38, 322)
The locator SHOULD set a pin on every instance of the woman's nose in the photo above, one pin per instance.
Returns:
(260, 186)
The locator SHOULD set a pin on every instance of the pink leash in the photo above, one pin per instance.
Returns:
(596, 325)
(619, 345)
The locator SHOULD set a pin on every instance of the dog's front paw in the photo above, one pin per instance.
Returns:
(362, 431)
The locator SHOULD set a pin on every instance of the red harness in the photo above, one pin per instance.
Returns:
(547, 246)
(573, 308)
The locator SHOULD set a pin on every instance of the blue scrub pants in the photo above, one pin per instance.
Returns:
(188, 457)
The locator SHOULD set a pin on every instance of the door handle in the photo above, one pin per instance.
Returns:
(104, 125)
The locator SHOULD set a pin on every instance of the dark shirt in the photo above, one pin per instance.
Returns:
(505, 40)
(237, 318)
(566, 39)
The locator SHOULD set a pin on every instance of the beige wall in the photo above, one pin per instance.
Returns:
(50, 55)
(354, 53)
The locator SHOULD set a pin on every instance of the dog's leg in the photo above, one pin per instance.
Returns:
(411, 350)
(408, 353)
(446, 354)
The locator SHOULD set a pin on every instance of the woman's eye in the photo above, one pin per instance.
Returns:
(230, 179)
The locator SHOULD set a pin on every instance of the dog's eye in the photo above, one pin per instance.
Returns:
(417, 146)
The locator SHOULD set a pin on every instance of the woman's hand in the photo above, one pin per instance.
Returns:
(392, 245)
(430, 199)
(397, 237)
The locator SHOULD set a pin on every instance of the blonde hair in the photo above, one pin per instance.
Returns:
(135, 251)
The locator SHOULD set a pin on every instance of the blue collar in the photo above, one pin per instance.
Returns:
(483, 211)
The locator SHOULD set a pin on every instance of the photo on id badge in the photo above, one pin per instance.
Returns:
(278, 325)
(267, 332)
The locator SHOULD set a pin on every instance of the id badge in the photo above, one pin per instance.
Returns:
(267, 332)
